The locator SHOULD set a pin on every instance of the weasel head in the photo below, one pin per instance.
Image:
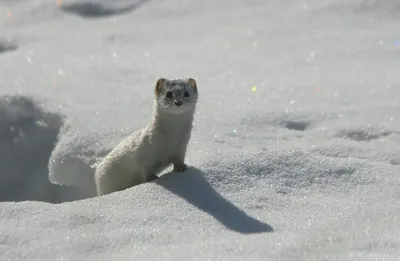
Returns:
(176, 96)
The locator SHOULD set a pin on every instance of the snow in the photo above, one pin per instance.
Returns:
(295, 149)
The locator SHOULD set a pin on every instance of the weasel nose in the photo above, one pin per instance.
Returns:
(178, 103)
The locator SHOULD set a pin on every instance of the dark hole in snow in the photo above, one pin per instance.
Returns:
(98, 10)
(7, 46)
(27, 137)
(295, 125)
(362, 135)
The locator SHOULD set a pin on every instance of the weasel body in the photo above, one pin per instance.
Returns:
(143, 154)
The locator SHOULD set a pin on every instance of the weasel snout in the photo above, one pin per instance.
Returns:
(178, 102)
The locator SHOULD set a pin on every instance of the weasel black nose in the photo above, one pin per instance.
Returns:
(178, 103)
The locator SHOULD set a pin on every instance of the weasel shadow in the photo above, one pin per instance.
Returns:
(195, 189)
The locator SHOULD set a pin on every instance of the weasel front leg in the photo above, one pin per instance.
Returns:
(179, 162)
(151, 177)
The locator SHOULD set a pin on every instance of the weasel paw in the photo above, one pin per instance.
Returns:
(180, 168)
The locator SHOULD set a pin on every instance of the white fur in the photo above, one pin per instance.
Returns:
(147, 152)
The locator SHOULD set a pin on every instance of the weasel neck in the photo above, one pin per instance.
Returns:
(164, 120)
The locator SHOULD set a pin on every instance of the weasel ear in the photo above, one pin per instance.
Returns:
(192, 83)
(160, 85)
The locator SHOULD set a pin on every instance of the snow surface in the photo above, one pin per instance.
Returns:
(295, 152)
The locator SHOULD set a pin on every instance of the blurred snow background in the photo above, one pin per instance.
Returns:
(295, 152)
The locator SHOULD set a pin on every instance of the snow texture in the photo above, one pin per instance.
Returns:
(295, 152)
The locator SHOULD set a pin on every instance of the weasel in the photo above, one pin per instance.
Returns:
(146, 152)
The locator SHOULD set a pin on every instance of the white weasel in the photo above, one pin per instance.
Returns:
(163, 142)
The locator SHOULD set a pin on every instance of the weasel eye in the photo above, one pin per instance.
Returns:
(168, 94)
(187, 94)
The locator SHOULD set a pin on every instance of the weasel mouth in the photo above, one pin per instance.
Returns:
(178, 103)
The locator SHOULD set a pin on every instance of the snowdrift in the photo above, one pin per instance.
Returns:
(295, 150)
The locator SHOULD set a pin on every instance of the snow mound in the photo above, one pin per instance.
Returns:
(73, 161)
(286, 169)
